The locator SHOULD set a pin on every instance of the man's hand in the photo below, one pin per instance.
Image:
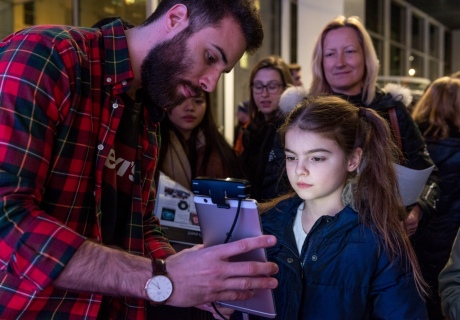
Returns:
(199, 275)
(203, 275)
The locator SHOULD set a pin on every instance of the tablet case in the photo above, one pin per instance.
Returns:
(215, 222)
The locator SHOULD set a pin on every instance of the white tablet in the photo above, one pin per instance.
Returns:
(215, 223)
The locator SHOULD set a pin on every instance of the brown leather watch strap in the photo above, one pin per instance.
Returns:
(158, 267)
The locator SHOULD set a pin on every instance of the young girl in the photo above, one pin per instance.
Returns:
(342, 251)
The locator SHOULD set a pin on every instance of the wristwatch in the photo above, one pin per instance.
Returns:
(159, 287)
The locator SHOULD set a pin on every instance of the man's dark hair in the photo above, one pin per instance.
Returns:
(208, 13)
(126, 23)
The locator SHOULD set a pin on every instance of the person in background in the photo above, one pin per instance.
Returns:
(268, 79)
(345, 64)
(192, 145)
(437, 115)
(243, 119)
(449, 283)
(79, 114)
(342, 251)
(275, 181)
(296, 73)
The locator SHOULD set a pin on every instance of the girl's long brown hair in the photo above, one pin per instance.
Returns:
(375, 187)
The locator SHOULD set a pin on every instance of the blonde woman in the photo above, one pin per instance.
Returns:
(345, 64)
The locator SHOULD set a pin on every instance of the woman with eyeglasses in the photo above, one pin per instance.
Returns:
(268, 80)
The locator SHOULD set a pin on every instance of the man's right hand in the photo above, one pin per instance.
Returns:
(203, 275)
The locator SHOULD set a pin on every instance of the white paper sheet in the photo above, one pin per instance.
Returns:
(176, 210)
(411, 182)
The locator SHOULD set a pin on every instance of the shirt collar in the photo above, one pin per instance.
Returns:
(117, 64)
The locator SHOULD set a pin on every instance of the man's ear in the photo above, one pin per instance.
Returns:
(355, 159)
(176, 18)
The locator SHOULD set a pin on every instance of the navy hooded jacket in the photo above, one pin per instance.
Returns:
(342, 273)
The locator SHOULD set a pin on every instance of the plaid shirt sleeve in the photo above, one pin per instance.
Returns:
(34, 87)
(156, 244)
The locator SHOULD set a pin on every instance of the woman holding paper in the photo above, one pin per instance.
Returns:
(438, 116)
(345, 64)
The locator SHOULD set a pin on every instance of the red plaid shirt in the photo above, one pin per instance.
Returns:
(60, 107)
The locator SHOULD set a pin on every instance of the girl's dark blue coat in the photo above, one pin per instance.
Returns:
(342, 273)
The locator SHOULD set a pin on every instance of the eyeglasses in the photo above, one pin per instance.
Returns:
(272, 87)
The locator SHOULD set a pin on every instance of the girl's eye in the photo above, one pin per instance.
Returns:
(350, 51)
(290, 158)
(318, 159)
(329, 54)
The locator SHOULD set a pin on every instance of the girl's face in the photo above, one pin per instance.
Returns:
(343, 61)
(188, 115)
(317, 167)
(267, 98)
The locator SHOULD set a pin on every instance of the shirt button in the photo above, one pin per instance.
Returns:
(115, 105)
(108, 79)
(314, 258)
(100, 147)
(124, 82)
(290, 260)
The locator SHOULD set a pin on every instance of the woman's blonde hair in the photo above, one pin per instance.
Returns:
(319, 83)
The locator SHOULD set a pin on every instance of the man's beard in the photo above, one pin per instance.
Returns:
(162, 69)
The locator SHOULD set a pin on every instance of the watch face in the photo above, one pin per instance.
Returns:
(159, 288)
